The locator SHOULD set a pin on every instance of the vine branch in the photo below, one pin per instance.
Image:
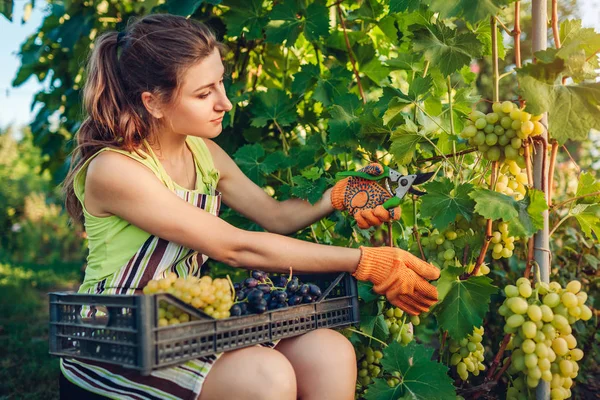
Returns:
(352, 61)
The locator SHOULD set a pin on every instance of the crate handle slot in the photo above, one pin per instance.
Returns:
(331, 286)
(97, 315)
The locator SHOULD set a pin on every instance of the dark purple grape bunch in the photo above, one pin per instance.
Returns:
(258, 293)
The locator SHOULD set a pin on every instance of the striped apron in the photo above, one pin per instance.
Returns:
(153, 260)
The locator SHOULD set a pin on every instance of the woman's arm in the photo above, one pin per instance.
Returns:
(247, 198)
(136, 195)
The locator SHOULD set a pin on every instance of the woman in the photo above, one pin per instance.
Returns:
(147, 181)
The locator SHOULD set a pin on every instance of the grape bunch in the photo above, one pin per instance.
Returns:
(213, 296)
(258, 293)
(502, 244)
(511, 180)
(467, 354)
(369, 366)
(400, 329)
(499, 135)
(440, 247)
(543, 346)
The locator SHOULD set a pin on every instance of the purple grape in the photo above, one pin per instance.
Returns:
(255, 296)
(292, 286)
(280, 295)
(264, 287)
(235, 310)
(259, 275)
(241, 294)
(304, 289)
(315, 290)
(294, 300)
(308, 299)
(250, 282)
(280, 281)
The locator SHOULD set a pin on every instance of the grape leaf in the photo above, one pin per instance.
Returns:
(587, 185)
(344, 124)
(470, 10)
(335, 85)
(286, 22)
(575, 38)
(6, 9)
(183, 7)
(572, 110)
(422, 378)
(465, 305)
(274, 161)
(494, 205)
(306, 78)
(524, 216)
(445, 48)
(365, 291)
(530, 218)
(309, 189)
(588, 216)
(313, 173)
(404, 5)
(273, 105)
(246, 16)
(448, 276)
(404, 142)
(377, 72)
(248, 159)
(483, 30)
(406, 61)
(380, 390)
(444, 201)
(317, 21)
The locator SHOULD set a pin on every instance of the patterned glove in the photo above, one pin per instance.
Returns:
(399, 275)
(364, 198)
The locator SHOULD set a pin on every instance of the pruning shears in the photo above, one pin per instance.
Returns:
(405, 183)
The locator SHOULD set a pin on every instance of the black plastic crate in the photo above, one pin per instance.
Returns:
(123, 329)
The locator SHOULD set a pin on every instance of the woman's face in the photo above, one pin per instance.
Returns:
(203, 102)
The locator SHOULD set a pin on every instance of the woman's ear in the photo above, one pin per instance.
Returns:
(152, 104)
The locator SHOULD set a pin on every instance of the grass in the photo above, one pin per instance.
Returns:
(27, 371)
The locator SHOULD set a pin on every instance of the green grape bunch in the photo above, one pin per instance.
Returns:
(369, 366)
(543, 345)
(400, 326)
(467, 354)
(499, 135)
(213, 296)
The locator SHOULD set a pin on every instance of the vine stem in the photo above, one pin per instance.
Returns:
(558, 205)
(553, 154)
(498, 357)
(352, 61)
(555, 24)
(496, 91)
(441, 157)
(366, 335)
(416, 228)
(517, 40)
(443, 344)
(488, 231)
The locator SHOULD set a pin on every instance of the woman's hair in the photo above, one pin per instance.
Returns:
(150, 55)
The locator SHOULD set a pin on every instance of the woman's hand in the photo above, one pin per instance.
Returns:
(364, 198)
(399, 275)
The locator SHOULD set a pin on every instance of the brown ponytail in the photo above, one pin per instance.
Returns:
(151, 54)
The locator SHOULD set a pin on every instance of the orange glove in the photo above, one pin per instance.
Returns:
(364, 198)
(399, 275)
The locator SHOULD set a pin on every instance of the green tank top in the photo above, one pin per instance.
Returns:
(112, 241)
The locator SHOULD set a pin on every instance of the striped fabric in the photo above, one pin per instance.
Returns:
(153, 260)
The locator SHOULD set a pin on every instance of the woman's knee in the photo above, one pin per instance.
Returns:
(251, 373)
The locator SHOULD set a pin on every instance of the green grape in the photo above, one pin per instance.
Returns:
(469, 131)
(507, 107)
(480, 123)
(527, 127)
(489, 129)
(492, 118)
(506, 122)
(493, 154)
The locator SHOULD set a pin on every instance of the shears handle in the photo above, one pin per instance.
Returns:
(392, 202)
(364, 175)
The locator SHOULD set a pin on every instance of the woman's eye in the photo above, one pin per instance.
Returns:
(203, 96)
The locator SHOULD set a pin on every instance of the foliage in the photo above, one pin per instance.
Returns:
(320, 87)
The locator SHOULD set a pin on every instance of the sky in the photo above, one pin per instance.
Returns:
(15, 103)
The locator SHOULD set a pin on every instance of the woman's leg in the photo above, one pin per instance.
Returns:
(250, 373)
(325, 364)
